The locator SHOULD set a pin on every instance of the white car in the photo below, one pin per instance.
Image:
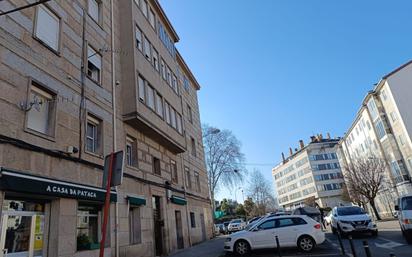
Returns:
(350, 219)
(404, 209)
(236, 225)
(292, 231)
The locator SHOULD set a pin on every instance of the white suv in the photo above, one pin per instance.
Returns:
(349, 219)
(292, 231)
(404, 209)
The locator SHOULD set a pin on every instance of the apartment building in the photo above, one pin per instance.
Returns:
(312, 171)
(382, 129)
(80, 79)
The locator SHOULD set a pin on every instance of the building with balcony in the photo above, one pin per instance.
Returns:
(312, 171)
(382, 129)
(79, 80)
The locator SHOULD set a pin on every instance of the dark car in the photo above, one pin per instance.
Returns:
(312, 212)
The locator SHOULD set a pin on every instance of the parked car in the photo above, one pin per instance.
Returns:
(312, 212)
(350, 219)
(404, 211)
(236, 225)
(292, 231)
(226, 224)
(221, 228)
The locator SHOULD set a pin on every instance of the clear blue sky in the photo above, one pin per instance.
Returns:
(276, 71)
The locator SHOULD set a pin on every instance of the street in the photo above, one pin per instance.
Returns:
(389, 241)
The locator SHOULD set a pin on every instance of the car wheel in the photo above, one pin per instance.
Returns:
(306, 243)
(340, 231)
(374, 233)
(334, 230)
(242, 247)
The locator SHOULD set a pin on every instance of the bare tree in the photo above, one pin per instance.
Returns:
(260, 191)
(364, 179)
(223, 159)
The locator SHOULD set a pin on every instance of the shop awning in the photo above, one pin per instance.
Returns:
(17, 181)
(178, 200)
(136, 200)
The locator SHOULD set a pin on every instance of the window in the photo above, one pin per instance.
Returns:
(47, 28)
(186, 83)
(94, 64)
(189, 114)
(135, 225)
(380, 129)
(167, 111)
(155, 59)
(87, 226)
(188, 178)
(147, 48)
(141, 86)
(163, 67)
(174, 83)
(197, 179)
(156, 166)
(144, 7)
(173, 168)
(139, 42)
(41, 115)
(152, 18)
(179, 123)
(173, 117)
(280, 223)
(267, 225)
(401, 140)
(393, 116)
(131, 152)
(159, 105)
(93, 137)
(383, 93)
(168, 76)
(193, 146)
(94, 9)
(192, 220)
(368, 124)
(299, 221)
(150, 97)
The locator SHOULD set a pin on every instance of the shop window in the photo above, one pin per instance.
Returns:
(135, 225)
(87, 227)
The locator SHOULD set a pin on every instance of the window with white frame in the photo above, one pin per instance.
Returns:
(139, 39)
(163, 69)
(93, 9)
(179, 123)
(168, 75)
(167, 113)
(47, 28)
(93, 134)
(152, 18)
(150, 97)
(94, 64)
(394, 117)
(40, 117)
(141, 85)
(147, 47)
(383, 93)
(131, 151)
(172, 117)
(189, 113)
(401, 140)
(174, 83)
(155, 59)
(159, 105)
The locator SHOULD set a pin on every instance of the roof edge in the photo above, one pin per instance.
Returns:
(168, 23)
(186, 67)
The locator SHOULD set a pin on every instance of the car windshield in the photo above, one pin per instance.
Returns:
(345, 211)
(235, 221)
(407, 203)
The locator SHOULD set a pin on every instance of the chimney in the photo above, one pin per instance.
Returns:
(290, 151)
(296, 150)
(283, 158)
(312, 139)
(328, 135)
(301, 144)
(320, 137)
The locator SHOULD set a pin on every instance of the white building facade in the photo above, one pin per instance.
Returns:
(382, 129)
(313, 171)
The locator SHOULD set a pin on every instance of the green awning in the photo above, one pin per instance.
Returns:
(136, 200)
(178, 200)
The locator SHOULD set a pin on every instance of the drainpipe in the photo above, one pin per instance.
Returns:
(114, 123)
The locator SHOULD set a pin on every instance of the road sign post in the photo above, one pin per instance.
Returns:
(113, 173)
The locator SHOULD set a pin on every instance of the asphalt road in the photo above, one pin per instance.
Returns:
(389, 241)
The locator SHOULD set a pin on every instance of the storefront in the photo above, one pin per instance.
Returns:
(36, 209)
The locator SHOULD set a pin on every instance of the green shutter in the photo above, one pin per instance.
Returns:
(136, 200)
(178, 200)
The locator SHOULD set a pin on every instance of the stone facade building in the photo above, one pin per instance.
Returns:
(80, 79)
(382, 128)
(312, 171)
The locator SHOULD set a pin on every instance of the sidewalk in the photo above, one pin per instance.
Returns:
(210, 248)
